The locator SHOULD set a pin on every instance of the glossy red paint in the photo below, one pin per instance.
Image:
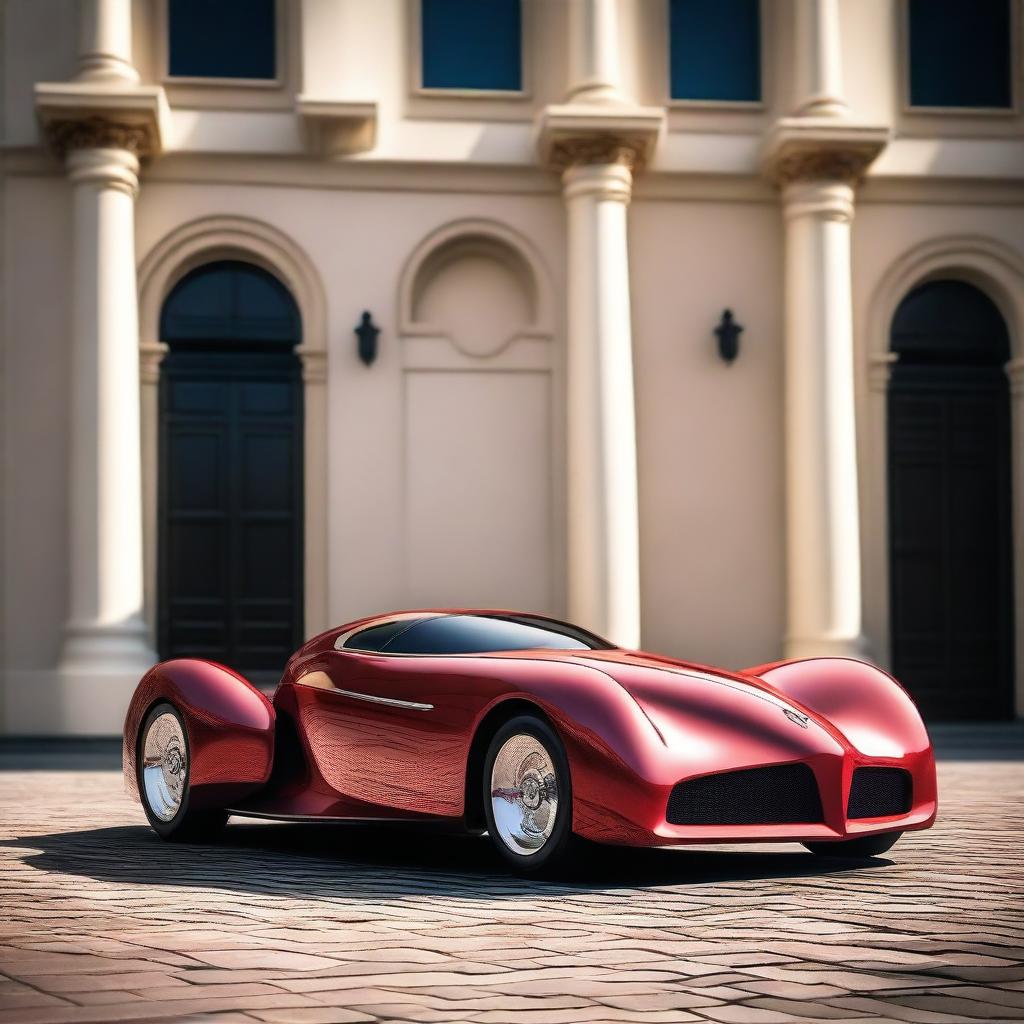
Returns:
(230, 727)
(368, 735)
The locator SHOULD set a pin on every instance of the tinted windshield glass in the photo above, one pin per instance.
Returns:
(475, 634)
(373, 638)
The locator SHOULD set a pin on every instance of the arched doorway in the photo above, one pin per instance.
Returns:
(230, 537)
(950, 546)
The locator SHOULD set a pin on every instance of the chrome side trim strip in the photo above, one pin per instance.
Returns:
(391, 702)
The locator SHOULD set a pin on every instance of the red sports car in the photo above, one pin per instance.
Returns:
(537, 732)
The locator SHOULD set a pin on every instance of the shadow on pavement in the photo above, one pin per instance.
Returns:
(313, 860)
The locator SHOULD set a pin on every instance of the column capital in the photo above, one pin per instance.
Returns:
(803, 149)
(596, 150)
(66, 136)
(82, 115)
(568, 135)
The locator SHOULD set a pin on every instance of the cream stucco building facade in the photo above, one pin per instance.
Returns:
(548, 423)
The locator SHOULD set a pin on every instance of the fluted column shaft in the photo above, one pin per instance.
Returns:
(823, 540)
(604, 574)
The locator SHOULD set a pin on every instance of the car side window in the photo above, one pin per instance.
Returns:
(476, 634)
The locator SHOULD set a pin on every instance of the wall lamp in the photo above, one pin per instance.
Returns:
(728, 333)
(367, 333)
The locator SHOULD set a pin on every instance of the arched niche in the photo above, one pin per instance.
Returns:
(477, 284)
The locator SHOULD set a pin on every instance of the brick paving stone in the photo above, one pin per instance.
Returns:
(313, 925)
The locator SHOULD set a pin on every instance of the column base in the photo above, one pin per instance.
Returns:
(797, 647)
(55, 702)
(94, 649)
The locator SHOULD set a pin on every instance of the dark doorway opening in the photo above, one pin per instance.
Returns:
(230, 521)
(950, 546)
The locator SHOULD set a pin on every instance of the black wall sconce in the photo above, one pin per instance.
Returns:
(728, 333)
(367, 333)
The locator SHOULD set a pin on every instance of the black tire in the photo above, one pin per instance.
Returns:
(187, 824)
(865, 846)
(556, 847)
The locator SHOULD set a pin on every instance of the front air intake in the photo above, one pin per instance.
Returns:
(780, 794)
(879, 793)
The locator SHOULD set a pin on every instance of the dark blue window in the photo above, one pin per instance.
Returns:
(472, 44)
(230, 301)
(221, 38)
(715, 50)
(960, 53)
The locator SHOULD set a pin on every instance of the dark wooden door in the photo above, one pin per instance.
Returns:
(231, 509)
(950, 505)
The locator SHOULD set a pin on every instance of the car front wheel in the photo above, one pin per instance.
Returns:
(528, 795)
(163, 765)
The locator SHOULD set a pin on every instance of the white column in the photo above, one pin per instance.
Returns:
(594, 61)
(105, 41)
(823, 541)
(105, 632)
(604, 574)
(819, 59)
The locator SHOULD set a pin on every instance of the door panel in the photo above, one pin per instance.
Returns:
(950, 546)
(396, 758)
(231, 509)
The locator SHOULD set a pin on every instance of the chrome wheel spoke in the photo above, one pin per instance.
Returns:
(164, 766)
(524, 794)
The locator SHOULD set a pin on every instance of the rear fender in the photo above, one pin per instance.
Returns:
(230, 727)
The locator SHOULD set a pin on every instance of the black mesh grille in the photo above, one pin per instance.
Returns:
(878, 792)
(777, 795)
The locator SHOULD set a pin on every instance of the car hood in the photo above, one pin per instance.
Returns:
(702, 710)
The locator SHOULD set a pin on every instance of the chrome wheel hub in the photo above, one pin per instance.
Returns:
(524, 794)
(164, 767)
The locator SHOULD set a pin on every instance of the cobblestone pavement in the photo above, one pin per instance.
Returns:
(100, 921)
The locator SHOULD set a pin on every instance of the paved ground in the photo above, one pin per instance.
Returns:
(100, 921)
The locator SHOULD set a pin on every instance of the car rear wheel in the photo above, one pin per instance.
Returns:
(864, 846)
(163, 765)
(528, 795)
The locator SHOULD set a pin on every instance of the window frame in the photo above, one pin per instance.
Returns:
(206, 91)
(751, 106)
(907, 109)
(414, 62)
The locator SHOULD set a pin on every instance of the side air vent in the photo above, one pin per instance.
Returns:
(780, 794)
(879, 793)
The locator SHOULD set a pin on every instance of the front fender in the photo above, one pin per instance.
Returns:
(864, 703)
(230, 727)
